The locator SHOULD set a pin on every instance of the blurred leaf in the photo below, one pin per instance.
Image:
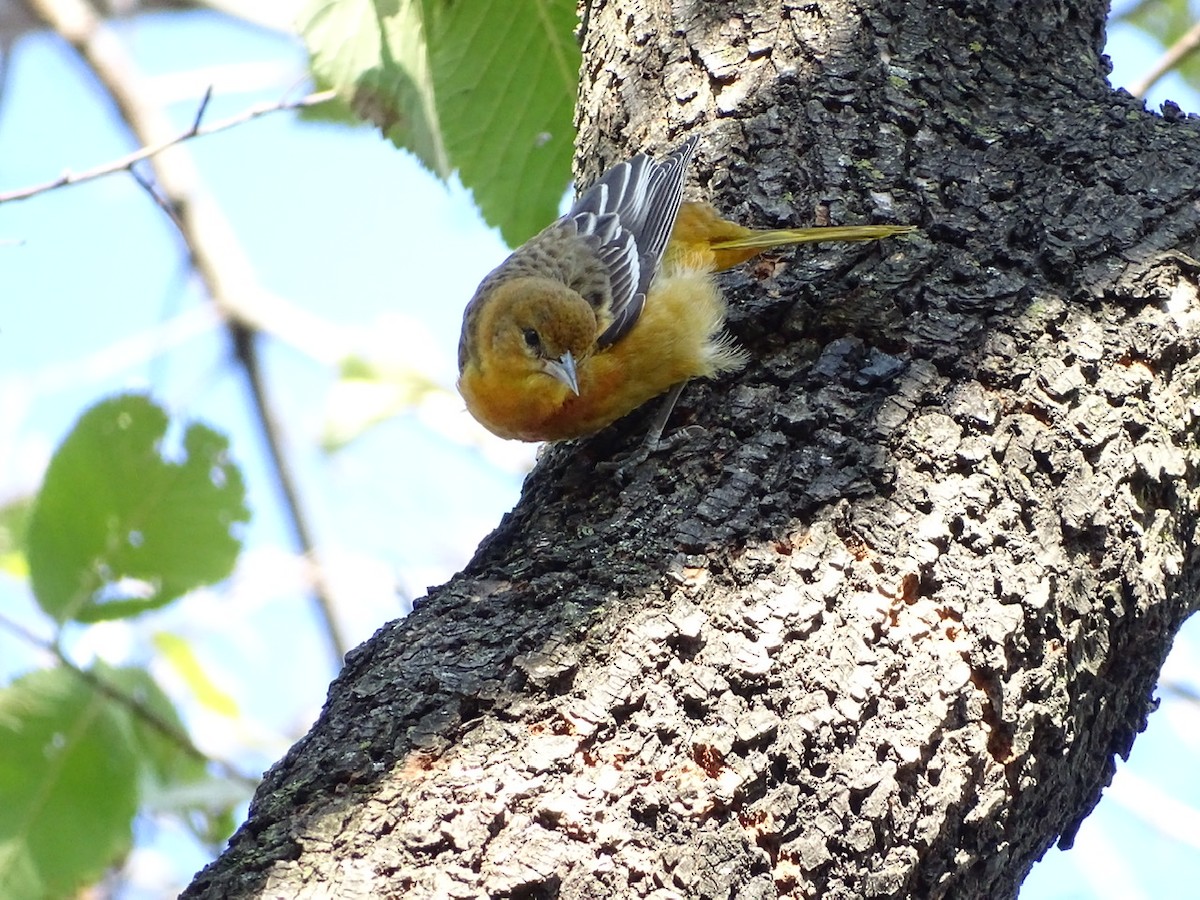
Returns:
(1166, 21)
(369, 393)
(118, 529)
(1160, 18)
(165, 759)
(375, 54)
(68, 776)
(173, 779)
(178, 654)
(485, 87)
(14, 519)
(218, 828)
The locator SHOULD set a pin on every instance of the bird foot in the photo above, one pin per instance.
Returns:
(622, 467)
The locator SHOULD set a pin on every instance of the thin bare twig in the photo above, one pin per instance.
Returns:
(147, 185)
(215, 251)
(1176, 53)
(127, 161)
(202, 108)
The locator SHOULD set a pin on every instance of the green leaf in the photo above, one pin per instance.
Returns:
(173, 777)
(117, 529)
(335, 111)
(68, 776)
(1166, 20)
(374, 54)
(485, 87)
(158, 734)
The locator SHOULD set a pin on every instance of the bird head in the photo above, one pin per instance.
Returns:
(540, 327)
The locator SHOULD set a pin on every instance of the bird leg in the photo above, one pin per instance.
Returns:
(654, 440)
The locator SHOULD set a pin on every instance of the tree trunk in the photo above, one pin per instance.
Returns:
(881, 629)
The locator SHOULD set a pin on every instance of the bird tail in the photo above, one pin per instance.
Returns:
(764, 240)
(731, 251)
(703, 239)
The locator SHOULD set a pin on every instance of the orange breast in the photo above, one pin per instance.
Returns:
(678, 336)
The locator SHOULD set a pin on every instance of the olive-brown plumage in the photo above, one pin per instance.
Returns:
(611, 305)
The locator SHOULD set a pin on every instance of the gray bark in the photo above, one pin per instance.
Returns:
(881, 630)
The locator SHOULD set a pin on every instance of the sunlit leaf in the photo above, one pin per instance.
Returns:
(484, 87)
(179, 655)
(369, 393)
(14, 518)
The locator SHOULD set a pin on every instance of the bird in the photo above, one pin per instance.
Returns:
(611, 305)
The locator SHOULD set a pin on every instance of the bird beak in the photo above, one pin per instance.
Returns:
(563, 369)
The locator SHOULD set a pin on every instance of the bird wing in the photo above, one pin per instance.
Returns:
(630, 212)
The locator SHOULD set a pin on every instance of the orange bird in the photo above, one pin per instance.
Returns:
(612, 305)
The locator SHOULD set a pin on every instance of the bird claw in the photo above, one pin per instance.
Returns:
(680, 436)
(622, 467)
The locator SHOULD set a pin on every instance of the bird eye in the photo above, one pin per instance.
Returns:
(533, 340)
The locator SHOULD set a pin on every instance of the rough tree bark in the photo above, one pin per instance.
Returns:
(882, 629)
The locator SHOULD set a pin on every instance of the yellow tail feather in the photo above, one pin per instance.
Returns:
(763, 240)
(701, 239)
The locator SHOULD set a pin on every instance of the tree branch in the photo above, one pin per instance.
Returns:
(1176, 53)
(882, 629)
(216, 254)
